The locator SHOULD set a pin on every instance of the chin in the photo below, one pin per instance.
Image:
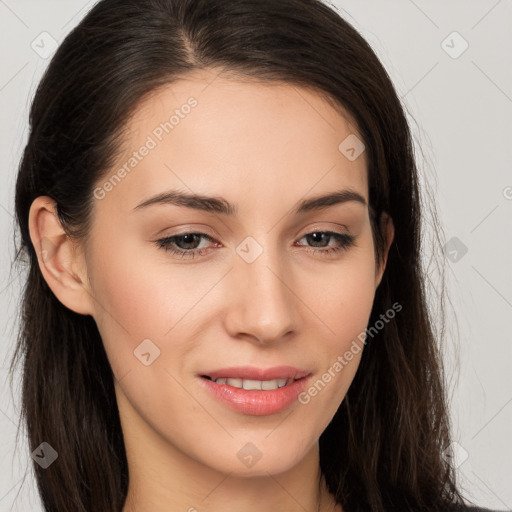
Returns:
(258, 457)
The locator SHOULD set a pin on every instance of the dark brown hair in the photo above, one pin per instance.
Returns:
(383, 450)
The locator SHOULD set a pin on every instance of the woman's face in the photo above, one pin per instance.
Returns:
(254, 295)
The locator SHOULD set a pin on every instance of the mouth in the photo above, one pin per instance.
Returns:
(256, 391)
(252, 378)
(264, 385)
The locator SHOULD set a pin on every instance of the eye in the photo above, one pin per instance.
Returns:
(180, 244)
(186, 245)
(343, 242)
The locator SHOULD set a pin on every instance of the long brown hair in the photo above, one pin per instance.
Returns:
(385, 447)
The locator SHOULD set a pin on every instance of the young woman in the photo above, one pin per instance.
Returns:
(225, 306)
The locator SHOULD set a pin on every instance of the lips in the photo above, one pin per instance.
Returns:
(256, 391)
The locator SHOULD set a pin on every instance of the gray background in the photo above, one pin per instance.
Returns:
(459, 107)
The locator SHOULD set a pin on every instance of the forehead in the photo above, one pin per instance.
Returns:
(212, 134)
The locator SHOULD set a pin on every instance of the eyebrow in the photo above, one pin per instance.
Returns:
(212, 204)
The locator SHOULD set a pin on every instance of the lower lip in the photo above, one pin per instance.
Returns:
(256, 402)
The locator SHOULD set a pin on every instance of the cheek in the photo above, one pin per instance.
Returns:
(344, 309)
(127, 298)
(345, 298)
(142, 294)
(130, 302)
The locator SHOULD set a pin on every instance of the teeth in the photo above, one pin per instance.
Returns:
(237, 383)
(251, 384)
(264, 385)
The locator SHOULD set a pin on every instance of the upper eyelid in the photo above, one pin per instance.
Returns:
(198, 231)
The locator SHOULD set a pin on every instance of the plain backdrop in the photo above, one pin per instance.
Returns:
(451, 65)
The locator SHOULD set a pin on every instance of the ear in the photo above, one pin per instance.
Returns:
(388, 231)
(61, 262)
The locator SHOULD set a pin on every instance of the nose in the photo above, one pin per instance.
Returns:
(263, 305)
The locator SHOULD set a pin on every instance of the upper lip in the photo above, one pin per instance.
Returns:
(253, 373)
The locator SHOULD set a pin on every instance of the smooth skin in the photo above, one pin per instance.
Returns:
(264, 148)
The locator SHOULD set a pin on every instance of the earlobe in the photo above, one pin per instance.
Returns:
(388, 231)
(61, 264)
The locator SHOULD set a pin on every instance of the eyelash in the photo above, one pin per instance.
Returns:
(346, 241)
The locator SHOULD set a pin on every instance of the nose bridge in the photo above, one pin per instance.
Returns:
(264, 305)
